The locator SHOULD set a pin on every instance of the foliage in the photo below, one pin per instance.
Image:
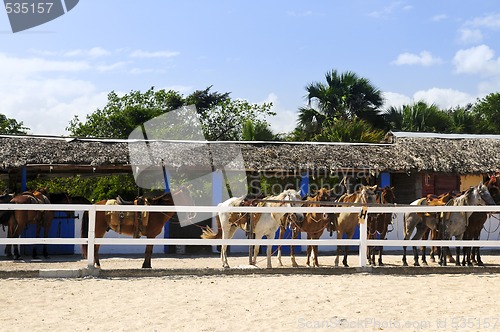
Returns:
(11, 126)
(344, 96)
(123, 114)
(486, 111)
(92, 188)
(221, 117)
(353, 131)
(225, 121)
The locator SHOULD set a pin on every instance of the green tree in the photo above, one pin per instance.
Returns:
(11, 126)
(122, 115)
(221, 117)
(353, 131)
(344, 96)
(486, 112)
(224, 122)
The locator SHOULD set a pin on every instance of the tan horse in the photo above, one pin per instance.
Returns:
(347, 222)
(314, 224)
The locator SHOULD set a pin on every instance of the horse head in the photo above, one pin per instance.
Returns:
(387, 196)
(484, 195)
(367, 194)
(293, 196)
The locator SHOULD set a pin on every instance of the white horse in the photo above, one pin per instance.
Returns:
(455, 223)
(265, 224)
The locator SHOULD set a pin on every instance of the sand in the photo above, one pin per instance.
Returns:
(352, 301)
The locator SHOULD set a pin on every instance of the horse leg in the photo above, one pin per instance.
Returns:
(315, 249)
(339, 236)
(147, 255)
(381, 248)
(457, 261)
(295, 234)
(349, 235)
(418, 235)
(478, 257)
(227, 233)
(282, 233)
(405, 263)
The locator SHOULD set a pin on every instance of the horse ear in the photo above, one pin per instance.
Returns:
(493, 179)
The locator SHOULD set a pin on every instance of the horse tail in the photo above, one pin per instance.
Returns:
(208, 233)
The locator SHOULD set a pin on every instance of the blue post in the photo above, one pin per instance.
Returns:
(304, 184)
(385, 180)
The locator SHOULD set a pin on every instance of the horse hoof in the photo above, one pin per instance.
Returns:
(416, 264)
(144, 266)
(345, 265)
(405, 264)
(433, 260)
(479, 263)
(458, 264)
(424, 263)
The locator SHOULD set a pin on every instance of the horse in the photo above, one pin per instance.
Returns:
(264, 224)
(5, 215)
(123, 223)
(19, 219)
(347, 222)
(378, 224)
(476, 223)
(455, 223)
(422, 221)
(314, 224)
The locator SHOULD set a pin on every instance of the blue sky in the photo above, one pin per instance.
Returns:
(443, 52)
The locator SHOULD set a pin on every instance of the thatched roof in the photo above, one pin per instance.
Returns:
(401, 152)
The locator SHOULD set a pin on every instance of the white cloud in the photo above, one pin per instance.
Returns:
(477, 60)
(439, 17)
(491, 21)
(444, 98)
(27, 66)
(470, 36)
(395, 99)
(285, 120)
(424, 58)
(157, 54)
(47, 105)
(300, 14)
(93, 52)
(390, 9)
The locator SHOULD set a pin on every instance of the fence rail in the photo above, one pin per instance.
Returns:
(362, 242)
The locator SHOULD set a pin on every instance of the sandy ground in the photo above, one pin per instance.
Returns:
(284, 301)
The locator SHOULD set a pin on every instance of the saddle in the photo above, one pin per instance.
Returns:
(118, 219)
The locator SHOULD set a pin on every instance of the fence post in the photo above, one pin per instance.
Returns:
(363, 235)
(91, 237)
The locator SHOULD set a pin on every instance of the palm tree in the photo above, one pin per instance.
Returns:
(344, 96)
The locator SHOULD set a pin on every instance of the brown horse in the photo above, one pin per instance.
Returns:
(378, 224)
(19, 220)
(476, 224)
(313, 224)
(152, 222)
(347, 222)
(422, 222)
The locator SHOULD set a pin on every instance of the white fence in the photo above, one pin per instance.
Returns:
(362, 242)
